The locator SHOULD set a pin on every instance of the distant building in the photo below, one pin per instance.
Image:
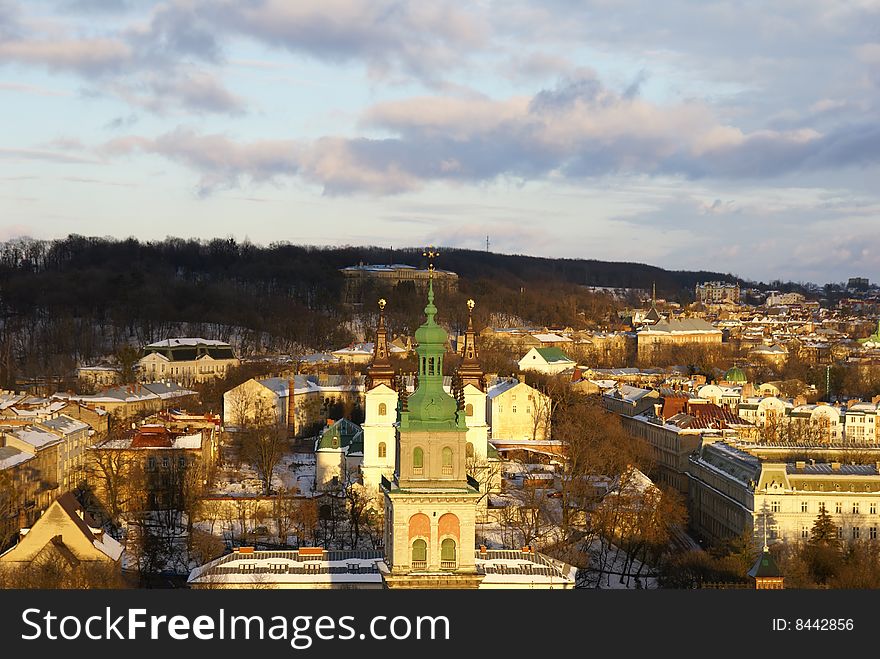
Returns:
(858, 284)
(666, 334)
(717, 292)
(101, 375)
(186, 360)
(546, 360)
(359, 277)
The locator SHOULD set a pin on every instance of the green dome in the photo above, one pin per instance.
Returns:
(735, 374)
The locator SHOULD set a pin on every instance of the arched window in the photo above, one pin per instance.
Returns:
(381, 449)
(469, 450)
(383, 409)
(447, 461)
(447, 553)
(469, 409)
(420, 553)
(418, 460)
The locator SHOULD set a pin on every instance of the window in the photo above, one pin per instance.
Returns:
(383, 409)
(856, 532)
(418, 460)
(447, 461)
(774, 506)
(838, 507)
(872, 533)
(447, 553)
(181, 462)
(805, 531)
(469, 409)
(382, 449)
(856, 508)
(419, 553)
(514, 409)
(165, 462)
(872, 509)
(840, 532)
(804, 507)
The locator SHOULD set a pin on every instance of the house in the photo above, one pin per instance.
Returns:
(186, 360)
(339, 452)
(654, 340)
(518, 411)
(546, 360)
(65, 540)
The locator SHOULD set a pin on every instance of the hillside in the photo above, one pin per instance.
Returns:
(76, 299)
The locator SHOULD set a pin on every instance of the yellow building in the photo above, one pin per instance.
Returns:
(65, 537)
(186, 360)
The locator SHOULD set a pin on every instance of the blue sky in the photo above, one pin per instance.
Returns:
(740, 136)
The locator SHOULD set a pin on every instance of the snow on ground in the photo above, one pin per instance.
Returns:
(294, 471)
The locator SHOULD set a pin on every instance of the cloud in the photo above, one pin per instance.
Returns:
(87, 56)
(222, 162)
(419, 38)
(575, 131)
(44, 155)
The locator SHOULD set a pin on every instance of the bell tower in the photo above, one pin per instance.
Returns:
(430, 505)
(380, 413)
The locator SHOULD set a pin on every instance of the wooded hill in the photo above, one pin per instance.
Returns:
(78, 298)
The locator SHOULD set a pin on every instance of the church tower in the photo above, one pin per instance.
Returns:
(380, 413)
(430, 506)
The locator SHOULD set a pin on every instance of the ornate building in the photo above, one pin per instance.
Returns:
(380, 413)
(430, 506)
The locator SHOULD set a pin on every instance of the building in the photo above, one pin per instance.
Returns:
(128, 401)
(658, 341)
(518, 411)
(98, 376)
(186, 360)
(339, 453)
(76, 438)
(733, 491)
(315, 399)
(551, 361)
(65, 540)
(380, 411)
(161, 463)
(626, 400)
(363, 278)
(717, 292)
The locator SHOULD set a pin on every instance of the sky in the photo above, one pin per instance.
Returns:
(739, 137)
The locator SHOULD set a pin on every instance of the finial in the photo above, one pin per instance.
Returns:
(430, 254)
(382, 304)
(470, 305)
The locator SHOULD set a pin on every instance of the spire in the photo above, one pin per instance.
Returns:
(430, 407)
(380, 371)
(470, 369)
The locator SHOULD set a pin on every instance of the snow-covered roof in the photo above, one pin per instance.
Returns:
(186, 341)
(65, 424)
(11, 456)
(36, 437)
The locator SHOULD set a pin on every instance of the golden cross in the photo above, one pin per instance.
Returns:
(431, 255)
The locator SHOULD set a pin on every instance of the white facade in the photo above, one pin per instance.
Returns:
(535, 360)
(380, 418)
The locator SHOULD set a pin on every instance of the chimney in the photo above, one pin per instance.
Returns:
(291, 407)
(800, 464)
(22, 518)
(835, 466)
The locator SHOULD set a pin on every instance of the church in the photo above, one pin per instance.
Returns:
(417, 448)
